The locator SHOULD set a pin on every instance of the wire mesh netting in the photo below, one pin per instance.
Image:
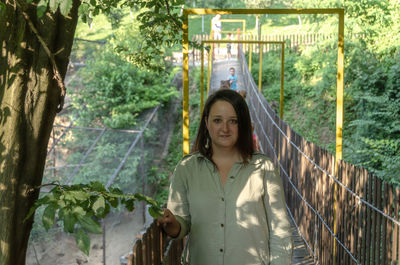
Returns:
(112, 157)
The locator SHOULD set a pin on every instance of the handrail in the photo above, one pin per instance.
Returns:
(277, 142)
(153, 247)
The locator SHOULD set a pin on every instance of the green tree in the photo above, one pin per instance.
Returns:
(36, 38)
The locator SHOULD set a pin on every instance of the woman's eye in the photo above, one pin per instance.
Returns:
(217, 120)
(234, 121)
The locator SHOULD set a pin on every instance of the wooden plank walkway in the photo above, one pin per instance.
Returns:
(221, 72)
(300, 253)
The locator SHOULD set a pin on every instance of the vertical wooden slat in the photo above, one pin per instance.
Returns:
(342, 172)
(378, 201)
(314, 189)
(369, 222)
(346, 228)
(373, 216)
(397, 214)
(325, 204)
(358, 214)
(353, 209)
(395, 229)
(154, 243)
(364, 216)
(145, 247)
(330, 168)
(385, 208)
(341, 222)
(389, 226)
(329, 210)
(137, 253)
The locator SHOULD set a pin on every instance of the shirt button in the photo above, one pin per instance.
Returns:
(223, 199)
(232, 177)
(222, 225)
(221, 250)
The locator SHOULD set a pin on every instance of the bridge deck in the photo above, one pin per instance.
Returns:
(221, 72)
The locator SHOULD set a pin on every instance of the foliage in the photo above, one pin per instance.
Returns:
(175, 150)
(160, 22)
(372, 114)
(116, 91)
(80, 207)
(374, 142)
(115, 17)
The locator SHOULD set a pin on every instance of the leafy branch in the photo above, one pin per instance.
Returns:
(80, 207)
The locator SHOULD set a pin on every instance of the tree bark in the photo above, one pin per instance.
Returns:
(29, 96)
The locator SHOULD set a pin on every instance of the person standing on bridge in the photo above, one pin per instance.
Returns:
(216, 27)
(232, 78)
(228, 197)
(229, 47)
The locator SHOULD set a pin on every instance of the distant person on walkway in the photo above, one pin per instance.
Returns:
(216, 26)
(232, 78)
(229, 47)
(229, 198)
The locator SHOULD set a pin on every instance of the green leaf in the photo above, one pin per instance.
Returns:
(115, 190)
(53, 5)
(130, 205)
(41, 8)
(2, 9)
(99, 206)
(113, 202)
(82, 241)
(78, 211)
(155, 211)
(65, 7)
(78, 195)
(97, 186)
(90, 225)
(69, 222)
(48, 216)
(140, 197)
(31, 211)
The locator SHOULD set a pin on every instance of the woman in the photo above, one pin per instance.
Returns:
(229, 198)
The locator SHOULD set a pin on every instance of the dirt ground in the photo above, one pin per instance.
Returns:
(121, 230)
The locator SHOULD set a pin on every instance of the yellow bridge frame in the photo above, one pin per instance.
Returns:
(282, 43)
(339, 78)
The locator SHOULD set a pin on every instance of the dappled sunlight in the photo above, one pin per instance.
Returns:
(4, 247)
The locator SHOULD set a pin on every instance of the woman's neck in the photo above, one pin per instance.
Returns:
(226, 153)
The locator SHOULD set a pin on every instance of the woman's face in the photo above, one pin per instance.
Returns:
(222, 125)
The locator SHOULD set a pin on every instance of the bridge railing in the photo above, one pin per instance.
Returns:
(366, 208)
(153, 247)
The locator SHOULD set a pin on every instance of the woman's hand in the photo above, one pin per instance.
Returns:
(169, 223)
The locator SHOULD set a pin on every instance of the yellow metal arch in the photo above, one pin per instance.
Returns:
(340, 65)
(339, 79)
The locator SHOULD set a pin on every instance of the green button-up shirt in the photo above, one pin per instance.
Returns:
(243, 222)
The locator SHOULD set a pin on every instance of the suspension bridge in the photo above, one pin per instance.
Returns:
(340, 213)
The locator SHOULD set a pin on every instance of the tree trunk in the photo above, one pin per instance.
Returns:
(29, 96)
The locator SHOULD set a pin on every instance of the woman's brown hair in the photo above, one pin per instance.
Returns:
(244, 142)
